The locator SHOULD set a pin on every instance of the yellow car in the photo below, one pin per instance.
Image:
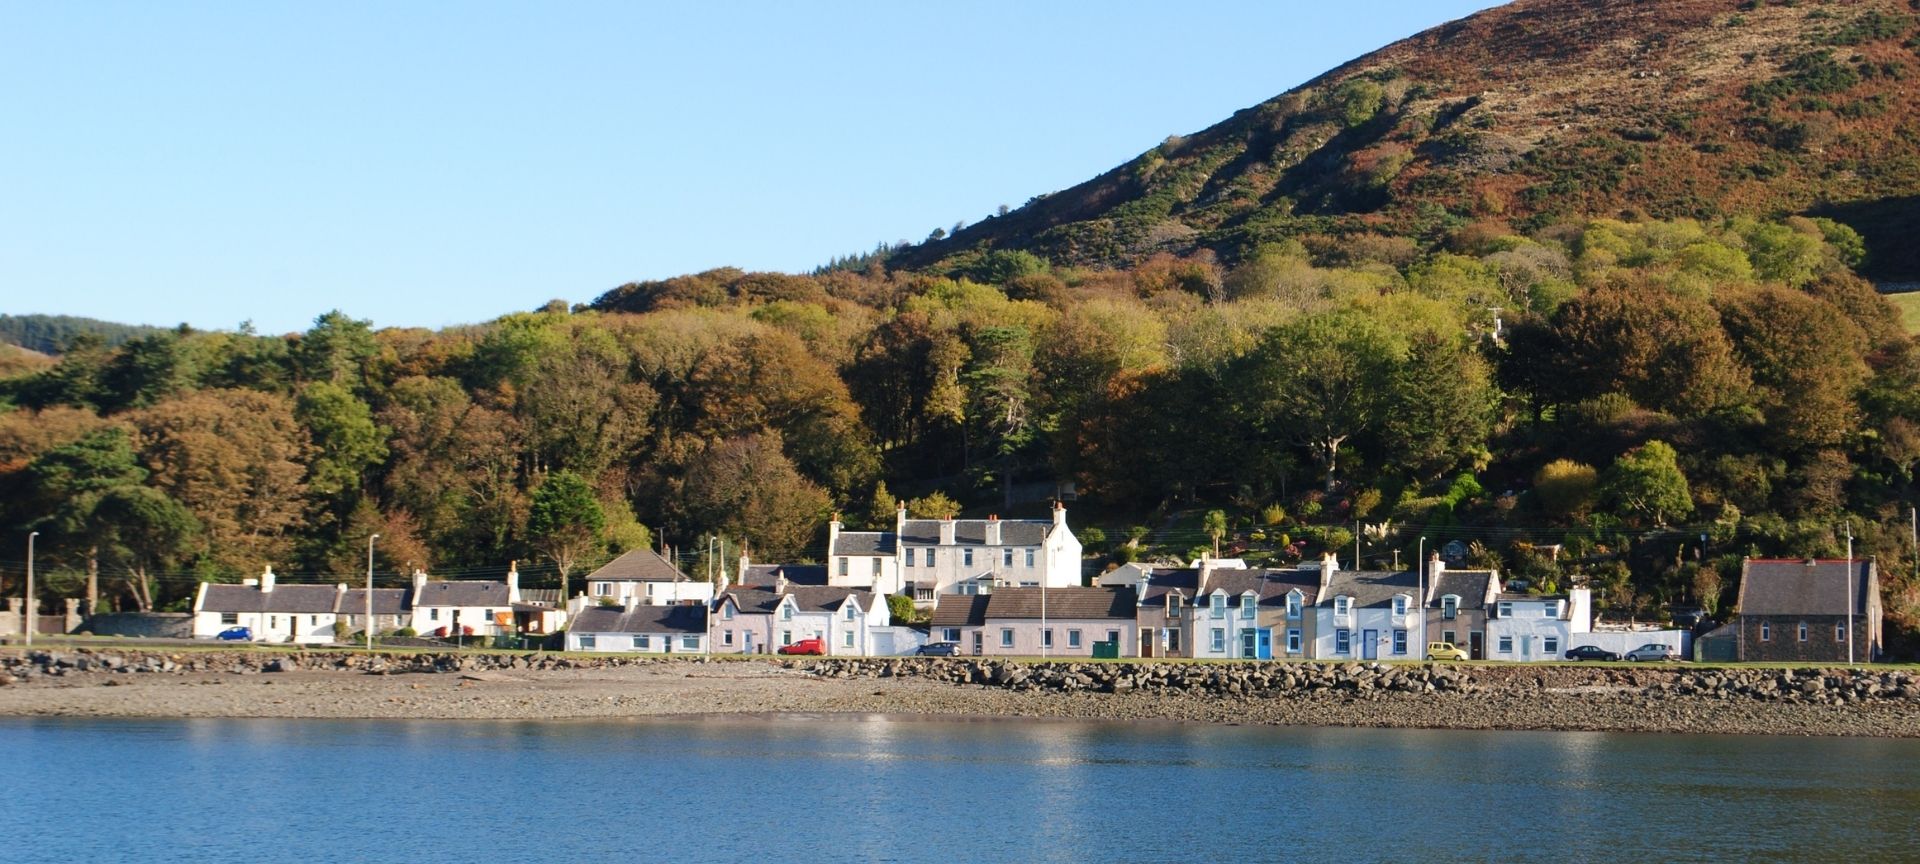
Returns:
(1445, 651)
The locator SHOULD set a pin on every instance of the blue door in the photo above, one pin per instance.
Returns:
(1266, 643)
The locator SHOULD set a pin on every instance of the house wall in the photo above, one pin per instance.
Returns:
(382, 623)
(651, 593)
(897, 641)
(1785, 645)
(949, 567)
(1203, 623)
(860, 573)
(305, 628)
(623, 643)
(1357, 622)
(751, 633)
(1150, 626)
(1464, 623)
(427, 619)
(1026, 636)
(1530, 638)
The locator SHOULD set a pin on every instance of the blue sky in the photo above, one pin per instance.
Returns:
(427, 164)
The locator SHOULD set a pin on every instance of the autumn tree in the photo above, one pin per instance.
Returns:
(747, 487)
(565, 522)
(1646, 483)
(236, 460)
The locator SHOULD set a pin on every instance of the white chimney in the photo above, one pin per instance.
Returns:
(1059, 515)
(1435, 569)
(993, 530)
(419, 582)
(266, 580)
(1580, 610)
(1328, 566)
(513, 582)
(833, 534)
(780, 581)
(946, 532)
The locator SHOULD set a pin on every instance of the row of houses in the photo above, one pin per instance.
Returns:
(311, 614)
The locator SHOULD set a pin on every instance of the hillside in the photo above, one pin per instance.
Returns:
(49, 334)
(1525, 115)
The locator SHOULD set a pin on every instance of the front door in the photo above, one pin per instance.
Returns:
(1370, 644)
(1266, 643)
(1249, 644)
(1526, 647)
(747, 641)
(1147, 640)
(977, 640)
(1477, 645)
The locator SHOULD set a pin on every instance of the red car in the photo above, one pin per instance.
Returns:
(806, 646)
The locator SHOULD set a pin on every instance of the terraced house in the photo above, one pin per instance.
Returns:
(752, 619)
(274, 612)
(974, 556)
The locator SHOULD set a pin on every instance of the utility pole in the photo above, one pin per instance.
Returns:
(368, 624)
(32, 619)
(1045, 637)
(1356, 545)
(1850, 591)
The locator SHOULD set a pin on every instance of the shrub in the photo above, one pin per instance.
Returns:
(1273, 514)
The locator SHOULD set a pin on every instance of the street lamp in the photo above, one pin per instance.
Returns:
(32, 620)
(369, 622)
(1849, 591)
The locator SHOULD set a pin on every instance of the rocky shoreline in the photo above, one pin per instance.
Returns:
(473, 685)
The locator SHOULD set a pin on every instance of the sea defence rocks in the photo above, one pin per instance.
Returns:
(1390, 680)
(21, 666)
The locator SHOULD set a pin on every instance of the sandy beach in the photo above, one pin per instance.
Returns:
(767, 686)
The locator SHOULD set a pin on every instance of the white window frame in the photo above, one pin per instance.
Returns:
(910, 557)
(1248, 605)
(1006, 637)
(949, 634)
(587, 642)
(1550, 645)
(1217, 605)
(726, 611)
(846, 564)
(1342, 606)
(966, 557)
(1551, 609)
(1293, 640)
(1450, 607)
(848, 641)
(690, 643)
(229, 618)
(640, 643)
(1219, 642)
(1506, 608)
(1006, 557)
(1073, 638)
(1766, 631)
(1296, 603)
(1046, 637)
(852, 609)
(1506, 644)
(786, 611)
(1839, 631)
(1400, 604)
(1029, 559)
(1804, 631)
(726, 637)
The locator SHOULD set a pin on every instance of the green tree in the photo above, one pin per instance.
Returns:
(565, 522)
(346, 443)
(1565, 489)
(1646, 483)
(1441, 406)
(934, 505)
(1215, 524)
(148, 532)
(1321, 380)
(67, 485)
(335, 349)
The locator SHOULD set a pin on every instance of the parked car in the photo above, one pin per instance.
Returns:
(939, 649)
(1591, 652)
(1445, 651)
(806, 646)
(235, 634)
(1653, 651)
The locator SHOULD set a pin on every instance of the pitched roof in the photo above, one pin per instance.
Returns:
(540, 596)
(302, 599)
(677, 619)
(386, 601)
(1181, 580)
(1469, 585)
(973, 532)
(461, 594)
(1804, 587)
(753, 599)
(764, 575)
(639, 565)
(1272, 586)
(1063, 603)
(961, 610)
(1372, 589)
(865, 543)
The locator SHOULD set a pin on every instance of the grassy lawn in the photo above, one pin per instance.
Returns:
(1909, 306)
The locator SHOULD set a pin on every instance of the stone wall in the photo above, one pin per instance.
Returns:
(141, 625)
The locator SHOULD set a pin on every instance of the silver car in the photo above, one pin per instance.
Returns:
(1653, 651)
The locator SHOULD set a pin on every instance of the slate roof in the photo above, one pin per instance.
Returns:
(1799, 587)
(639, 565)
(302, 599)
(764, 575)
(462, 594)
(679, 619)
(866, 543)
(808, 598)
(1469, 585)
(1272, 586)
(1062, 603)
(961, 610)
(1184, 580)
(386, 601)
(1372, 589)
(973, 532)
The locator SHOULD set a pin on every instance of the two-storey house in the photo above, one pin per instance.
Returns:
(1457, 602)
(974, 556)
(645, 577)
(1369, 615)
(1252, 613)
(1526, 627)
(863, 559)
(750, 619)
(1165, 596)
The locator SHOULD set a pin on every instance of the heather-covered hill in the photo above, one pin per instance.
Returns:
(1525, 115)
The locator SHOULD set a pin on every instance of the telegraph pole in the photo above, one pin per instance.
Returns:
(369, 622)
(32, 620)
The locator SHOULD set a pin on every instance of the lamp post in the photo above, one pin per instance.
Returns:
(369, 621)
(31, 620)
(1421, 568)
(1849, 591)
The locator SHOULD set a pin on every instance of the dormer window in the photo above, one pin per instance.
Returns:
(726, 611)
(1247, 602)
(786, 611)
(1506, 608)
(1218, 604)
(1400, 604)
(1295, 601)
(1450, 606)
(1173, 605)
(1342, 606)
(1551, 609)
(851, 610)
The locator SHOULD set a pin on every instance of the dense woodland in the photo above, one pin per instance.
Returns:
(1623, 390)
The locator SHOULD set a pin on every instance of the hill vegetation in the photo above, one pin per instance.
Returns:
(51, 334)
(1525, 115)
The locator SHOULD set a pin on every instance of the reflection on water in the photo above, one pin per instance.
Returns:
(826, 787)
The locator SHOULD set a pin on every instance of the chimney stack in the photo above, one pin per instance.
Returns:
(1328, 565)
(833, 538)
(513, 583)
(419, 582)
(266, 580)
(946, 531)
(993, 530)
(1059, 515)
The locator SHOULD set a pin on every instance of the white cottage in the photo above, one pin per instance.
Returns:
(1527, 627)
(274, 612)
(1369, 615)
(464, 609)
(643, 629)
(751, 619)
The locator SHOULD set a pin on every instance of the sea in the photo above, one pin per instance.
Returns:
(806, 788)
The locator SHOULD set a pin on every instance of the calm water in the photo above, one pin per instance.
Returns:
(818, 789)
